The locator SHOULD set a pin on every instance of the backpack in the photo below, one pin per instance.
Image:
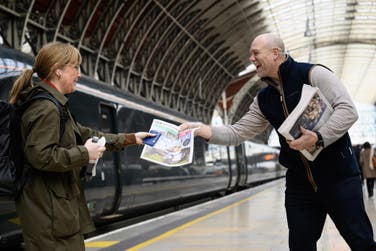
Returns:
(11, 151)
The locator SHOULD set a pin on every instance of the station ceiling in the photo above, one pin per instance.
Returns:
(185, 54)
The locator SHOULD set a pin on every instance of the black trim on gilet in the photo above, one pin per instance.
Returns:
(335, 162)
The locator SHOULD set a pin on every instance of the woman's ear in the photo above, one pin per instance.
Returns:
(58, 74)
(57, 71)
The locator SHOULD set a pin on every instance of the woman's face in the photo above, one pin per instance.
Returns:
(70, 74)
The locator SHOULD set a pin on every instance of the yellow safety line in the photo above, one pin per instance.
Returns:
(100, 244)
(174, 230)
(15, 221)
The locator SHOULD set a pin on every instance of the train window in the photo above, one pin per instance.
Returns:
(216, 158)
(131, 120)
(107, 118)
(6, 83)
(200, 147)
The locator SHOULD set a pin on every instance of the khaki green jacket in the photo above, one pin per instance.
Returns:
(52, 206)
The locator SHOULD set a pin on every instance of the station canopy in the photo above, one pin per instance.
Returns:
(338, 34)
(187, 54)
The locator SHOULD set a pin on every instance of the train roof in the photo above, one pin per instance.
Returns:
(13, 62)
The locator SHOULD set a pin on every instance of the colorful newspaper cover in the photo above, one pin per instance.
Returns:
(173, 148)
(312, 111)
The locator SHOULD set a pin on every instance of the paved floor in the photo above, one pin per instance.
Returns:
(253, 219)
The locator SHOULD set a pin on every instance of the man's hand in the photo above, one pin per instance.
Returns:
(306, 141)
(199, 128)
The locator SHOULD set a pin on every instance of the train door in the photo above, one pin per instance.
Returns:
(233, 170)
(241, 161)
(110, 160)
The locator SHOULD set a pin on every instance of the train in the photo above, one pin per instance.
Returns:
(125, 185)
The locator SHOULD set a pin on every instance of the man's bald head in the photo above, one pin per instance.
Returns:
(271, 40)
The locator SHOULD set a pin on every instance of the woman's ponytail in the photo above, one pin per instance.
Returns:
(22, 82)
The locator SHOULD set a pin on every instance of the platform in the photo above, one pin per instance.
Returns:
(253, 219)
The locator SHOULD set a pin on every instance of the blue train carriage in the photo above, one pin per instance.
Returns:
(126, 185)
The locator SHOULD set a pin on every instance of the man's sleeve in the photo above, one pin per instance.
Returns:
(344, 114)
(250, 125)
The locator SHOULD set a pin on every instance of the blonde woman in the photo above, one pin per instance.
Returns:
(52, 205)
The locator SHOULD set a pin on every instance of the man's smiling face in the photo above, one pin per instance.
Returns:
(262, 57)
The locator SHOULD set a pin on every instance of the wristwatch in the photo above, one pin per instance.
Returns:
(320, 141)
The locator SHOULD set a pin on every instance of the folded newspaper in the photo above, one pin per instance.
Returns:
(173, 148)
(312, 111)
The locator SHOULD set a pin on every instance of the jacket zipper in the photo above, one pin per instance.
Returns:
(305, 162)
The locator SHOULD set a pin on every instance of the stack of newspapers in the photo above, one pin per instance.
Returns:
(312, 111)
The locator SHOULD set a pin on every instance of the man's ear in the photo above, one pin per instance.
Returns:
(276, 53)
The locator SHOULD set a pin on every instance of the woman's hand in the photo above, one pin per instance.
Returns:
(95, 150)
(141, 135)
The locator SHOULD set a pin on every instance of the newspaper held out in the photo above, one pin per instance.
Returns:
(173, 148)
(312, 111)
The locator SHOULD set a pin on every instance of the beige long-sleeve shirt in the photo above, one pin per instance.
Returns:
(254, 122)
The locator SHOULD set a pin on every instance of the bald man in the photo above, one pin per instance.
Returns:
(329, 185)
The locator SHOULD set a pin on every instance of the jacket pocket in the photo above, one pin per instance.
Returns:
(65, 209)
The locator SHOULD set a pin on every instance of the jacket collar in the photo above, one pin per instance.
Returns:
(58, 95)
(283, 70)
(285, 67)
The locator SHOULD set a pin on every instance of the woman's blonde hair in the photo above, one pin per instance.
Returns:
(50, 57)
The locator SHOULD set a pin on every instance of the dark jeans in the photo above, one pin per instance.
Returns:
(370, 183)
(343, 202)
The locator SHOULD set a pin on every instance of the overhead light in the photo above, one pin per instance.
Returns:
(308, 32)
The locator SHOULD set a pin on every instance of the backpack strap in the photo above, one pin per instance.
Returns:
(46, 95)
